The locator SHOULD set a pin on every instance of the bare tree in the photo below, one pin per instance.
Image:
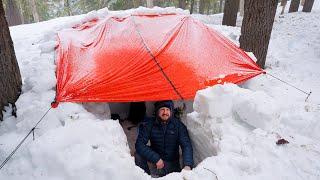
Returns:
(230, 12)
(307, 7)
(294, 6)
(34, 11)
(10, 81)
(13, 13)
(257, 26)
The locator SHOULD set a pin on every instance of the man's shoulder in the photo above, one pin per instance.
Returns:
(147, 121)
(179, 123)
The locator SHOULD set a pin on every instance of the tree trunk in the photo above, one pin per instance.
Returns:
(294, 6)
(150, 3)
(21, 13)
(230, 12)
(283, 4)
(201, 6)
(13, 13)
(257, 26)
(10, 81)
(307, 7)
(220, 6)
(182, 4)
(191, 6)
(208, 6)
(34, 11)
(241, 7)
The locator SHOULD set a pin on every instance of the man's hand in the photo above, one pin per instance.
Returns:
(188, 168)
(160, 164)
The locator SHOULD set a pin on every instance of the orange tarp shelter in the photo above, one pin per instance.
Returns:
(145, 58)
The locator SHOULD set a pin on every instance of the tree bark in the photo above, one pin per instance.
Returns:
(257, 26)
(34, 11)
(294, 6)
(307, 7)
(10, 81)
(13, 13)
(230, 12)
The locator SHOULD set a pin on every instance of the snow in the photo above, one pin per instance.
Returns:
(234, 129)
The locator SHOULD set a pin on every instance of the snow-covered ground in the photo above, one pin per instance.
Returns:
(234, 129)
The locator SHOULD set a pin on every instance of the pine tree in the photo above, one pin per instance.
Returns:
(10, 81)
(257, 26)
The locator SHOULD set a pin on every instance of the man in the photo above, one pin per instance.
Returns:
(165, 134)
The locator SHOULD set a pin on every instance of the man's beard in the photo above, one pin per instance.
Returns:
(164, 117)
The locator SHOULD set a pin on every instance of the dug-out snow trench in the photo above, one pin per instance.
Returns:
(121, 112)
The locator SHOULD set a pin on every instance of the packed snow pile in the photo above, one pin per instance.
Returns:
(234, 129)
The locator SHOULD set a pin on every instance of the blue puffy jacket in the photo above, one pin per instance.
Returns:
(165, 140)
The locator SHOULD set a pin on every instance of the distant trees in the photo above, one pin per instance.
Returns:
(10, 81)
(230, 12)
(39, 10)
(294, 6)
(257, 26)
(149, 3)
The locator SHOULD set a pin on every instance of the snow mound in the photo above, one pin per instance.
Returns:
(235, 130)
(255, 108)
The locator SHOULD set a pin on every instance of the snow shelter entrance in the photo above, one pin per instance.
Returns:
(129, 115)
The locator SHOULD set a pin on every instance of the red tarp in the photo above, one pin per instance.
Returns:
(128, 59)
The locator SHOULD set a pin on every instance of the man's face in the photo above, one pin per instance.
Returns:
(164, 113)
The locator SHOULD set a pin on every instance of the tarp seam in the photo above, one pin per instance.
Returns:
(154, 58)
